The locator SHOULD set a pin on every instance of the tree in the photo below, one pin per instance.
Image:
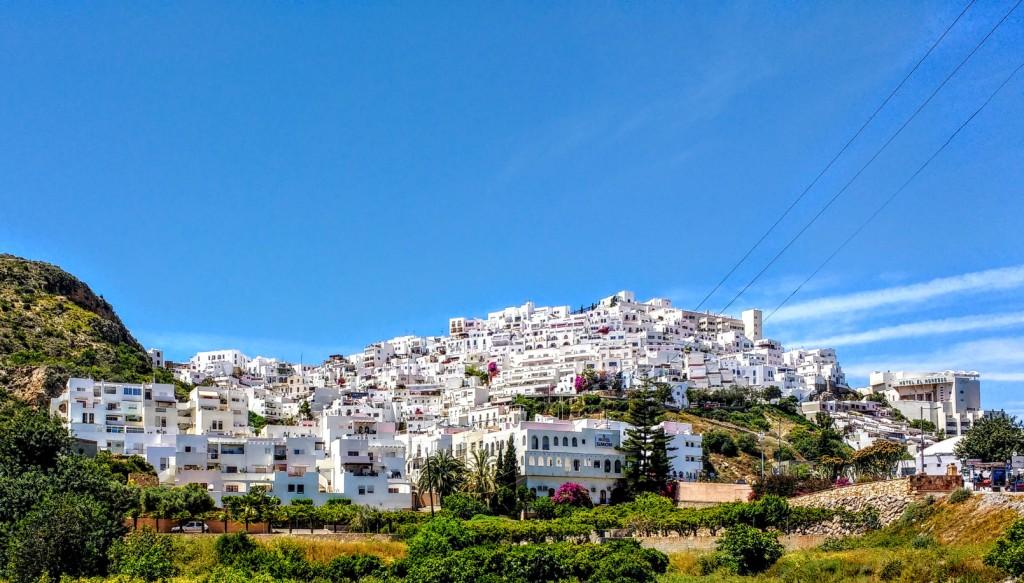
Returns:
(746, 550)
(879, 459)
(335, 511)
(992, 439)
(441, 474)
(305, 412)
(256, 505)
(508, 465)
(195, 501)
(257, 422)
(30, 440)
(771, 393)
(299, 509)
(480, 480)
(65, 534)
(646, 447)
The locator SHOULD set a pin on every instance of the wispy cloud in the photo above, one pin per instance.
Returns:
(997, 359)
(980, 281)
(916, 329)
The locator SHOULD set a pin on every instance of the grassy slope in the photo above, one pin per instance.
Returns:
(743, 466)
(944, 542)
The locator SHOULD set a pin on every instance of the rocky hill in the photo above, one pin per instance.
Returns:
(53, 326)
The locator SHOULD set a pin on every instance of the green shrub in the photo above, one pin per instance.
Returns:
(543, 508)
(231, 548)
(1008, 553)
(959, 495)
(354, 568)
(891, 570)
(747, 551)
(440, 537)
(143, 554)
(718, 441)
(463, 506)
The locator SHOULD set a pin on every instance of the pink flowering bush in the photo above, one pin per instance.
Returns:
(572, 494)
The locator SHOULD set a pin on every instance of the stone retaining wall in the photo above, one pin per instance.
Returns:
(890, 498)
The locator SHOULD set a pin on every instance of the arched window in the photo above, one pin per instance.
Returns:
(604, 497)
(551, 492)
(565, 442)
(530, 460)
(549, 462)
(618, 467)
(534, 442)
(607, 465)
(574, 442)
(576, 465)
(546, 442)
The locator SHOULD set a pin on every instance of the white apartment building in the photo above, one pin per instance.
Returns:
(123, 418)
(950, 399)
(219, 363)
(215, 411)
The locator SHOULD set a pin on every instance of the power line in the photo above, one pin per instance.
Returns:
(872, 159)
(896, 193)
(857, 134)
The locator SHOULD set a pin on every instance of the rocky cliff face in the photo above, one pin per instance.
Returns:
(53, 326)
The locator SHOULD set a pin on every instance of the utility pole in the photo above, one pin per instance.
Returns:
(922, 438)
(760, 438)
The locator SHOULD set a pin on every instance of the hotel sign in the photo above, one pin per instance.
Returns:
(603, 440)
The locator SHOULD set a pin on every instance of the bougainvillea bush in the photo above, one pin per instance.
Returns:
(572, 494)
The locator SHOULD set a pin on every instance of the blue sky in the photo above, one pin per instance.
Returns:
(305, 178)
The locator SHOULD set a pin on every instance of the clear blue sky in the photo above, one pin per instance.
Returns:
(305, 178)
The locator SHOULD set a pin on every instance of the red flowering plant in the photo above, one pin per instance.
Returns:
(492, 369)
(572, 494)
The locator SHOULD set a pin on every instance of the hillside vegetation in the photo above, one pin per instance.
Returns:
(52, 326)
(933, 541)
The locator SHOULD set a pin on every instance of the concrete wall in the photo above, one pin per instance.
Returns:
(697, 494)
(675, 544)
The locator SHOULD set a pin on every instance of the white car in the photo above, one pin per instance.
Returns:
(190, 526)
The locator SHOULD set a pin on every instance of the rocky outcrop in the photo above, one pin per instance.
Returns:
(52, 326)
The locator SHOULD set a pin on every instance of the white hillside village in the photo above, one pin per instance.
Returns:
(360, 426)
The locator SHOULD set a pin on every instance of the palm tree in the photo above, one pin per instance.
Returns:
(442, 474)
(481, 478)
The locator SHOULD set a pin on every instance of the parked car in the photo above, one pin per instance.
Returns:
(191, 526)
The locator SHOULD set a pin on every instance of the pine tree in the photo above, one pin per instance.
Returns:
(648, 463)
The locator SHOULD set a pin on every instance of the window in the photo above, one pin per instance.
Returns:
(231, 488)
(291, 488)
(362, 490)
(300, 488)
(565, 442)
(607, 465)
(597, 464)
(217, 425)
(132, 391)
(574, 444)
(546, 443)
(618, 467)
(534, 442)
(576, 465)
